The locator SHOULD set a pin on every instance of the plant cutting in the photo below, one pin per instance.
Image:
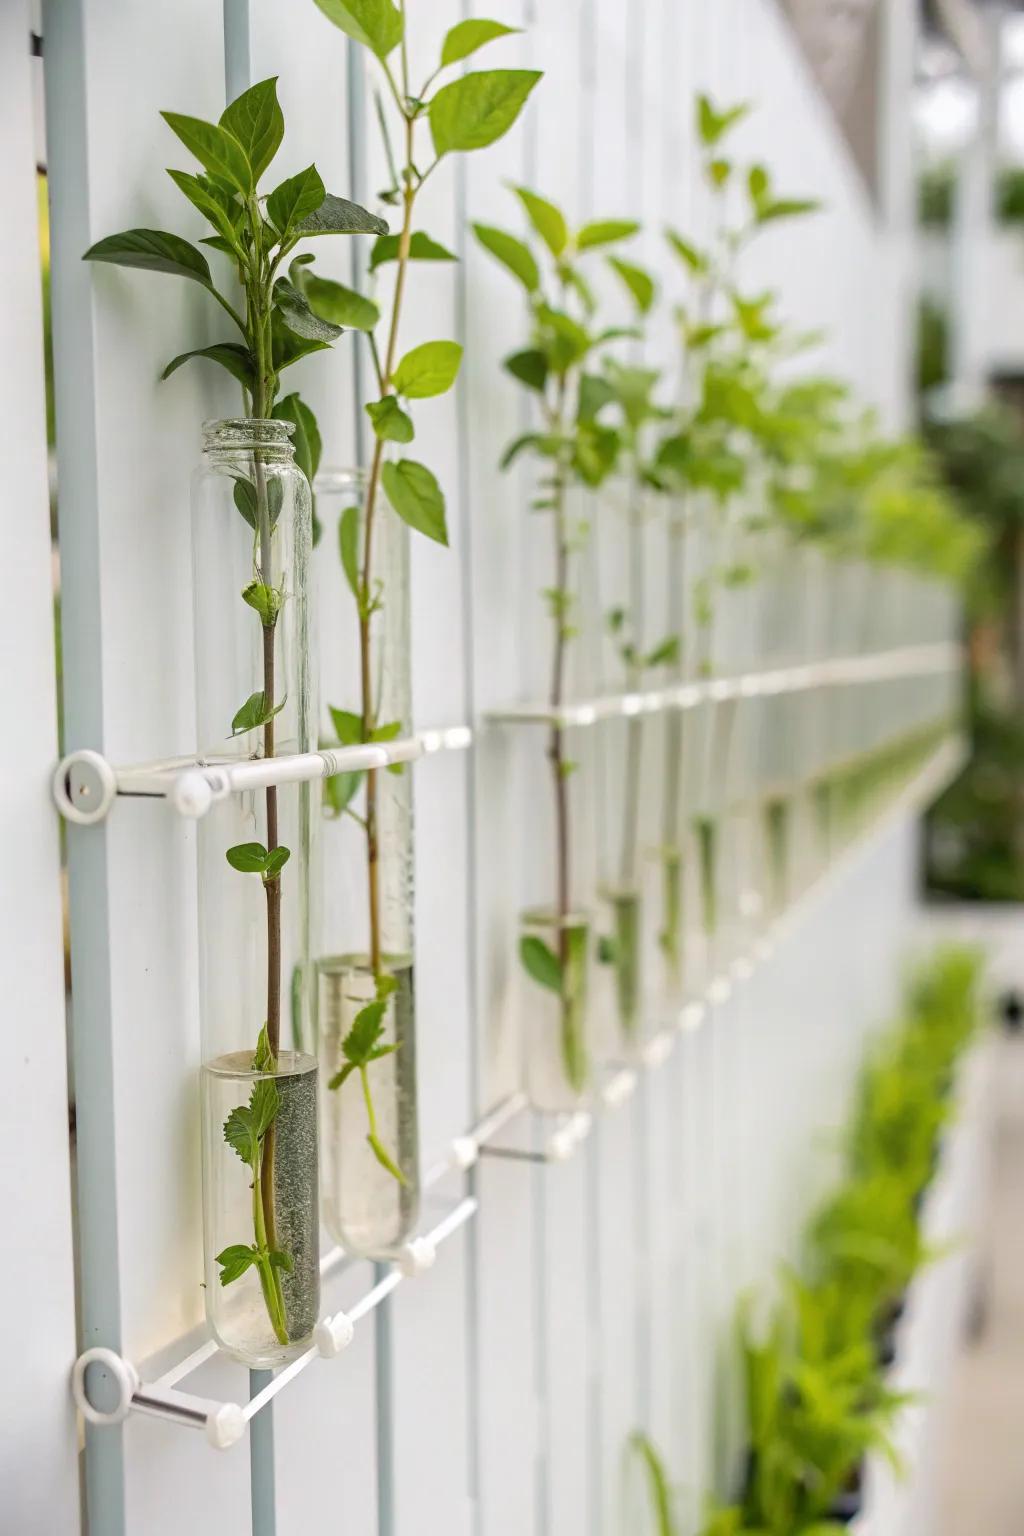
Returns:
(630, 392)
(707, 460)
(572, 448)
(368, 997)
(276, 326)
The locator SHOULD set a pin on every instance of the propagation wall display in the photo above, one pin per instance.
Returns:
(765, 580)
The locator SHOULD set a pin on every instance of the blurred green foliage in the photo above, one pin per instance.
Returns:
(817, 1399)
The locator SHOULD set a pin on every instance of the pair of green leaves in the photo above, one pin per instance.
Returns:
(362, 1047)
(237, 1258)
(340, 789)
(246, 1126)
(254, 859)
(469, 113)
(425, 371)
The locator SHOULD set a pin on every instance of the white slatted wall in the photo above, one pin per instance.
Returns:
(584, 1300)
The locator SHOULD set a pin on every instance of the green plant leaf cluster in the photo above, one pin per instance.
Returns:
(817, 1400)
(254, 859)
(278, 323)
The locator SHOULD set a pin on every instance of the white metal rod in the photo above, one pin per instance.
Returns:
(907, 661)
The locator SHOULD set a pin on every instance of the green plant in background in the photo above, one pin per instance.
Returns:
(723, 427)
(277, 326)
(467, 113)
(816, 1397)
(573, 448)
(630, 395)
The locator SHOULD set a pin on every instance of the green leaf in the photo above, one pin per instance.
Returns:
(264, 1102)
(219, 207)
(344, 306)
(348, 545)
(257, 122)
(389, 732)
(595, 393)
(295, 199)
(719, 171)
(341, 1076)
(380, 1153)
(428, 369)
(235, 358)
(287, 347)
(416, 497)
(786, 208)
(529, 367)
(665, 654)
(377, 24)
(688, 254)
(263, 1056)
(295, 311)
(265, 600)
(281, 1260)
(547, 220)
(277, 858)
(246, 1125)
(639, 282)
(757, 182)
(337, 216)
(248, 858)
(234, 1261)
(566, 342)
(340, 789)
(153, 251)
(254, 713)
(390, 422)
(512, 253)
(473, 112)
(367, 1028)
(467, 36)
(216, 149)
(218, 243)
(607, 950)
(306, 438)
(712, 125)
(541, 962)
(421, 248)
(605, 232)
(347, 726)
(538, 440)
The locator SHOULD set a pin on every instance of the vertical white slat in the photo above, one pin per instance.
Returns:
(127, 444)
(37, 1424)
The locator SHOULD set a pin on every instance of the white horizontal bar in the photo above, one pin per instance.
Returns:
(85, 784)
(907, 661)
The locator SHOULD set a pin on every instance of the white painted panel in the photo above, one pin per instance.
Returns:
(37, 1429)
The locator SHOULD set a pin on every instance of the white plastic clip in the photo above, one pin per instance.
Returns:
(464, 1152)
(225, 1427)
(84, 787)
(416, 1256)
(618, 1089)
(561, 1144)
(720, 990)
(658, 1049)
(334, 1334)
(124, 1376)
(691, 1017)
(192, 794)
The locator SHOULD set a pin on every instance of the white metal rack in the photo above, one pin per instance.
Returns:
(224, 1423)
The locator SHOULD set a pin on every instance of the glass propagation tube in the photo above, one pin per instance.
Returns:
(254, 699)
(366, 992)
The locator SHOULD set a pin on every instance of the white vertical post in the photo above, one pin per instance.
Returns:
(37, 1427)
(972, 225)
